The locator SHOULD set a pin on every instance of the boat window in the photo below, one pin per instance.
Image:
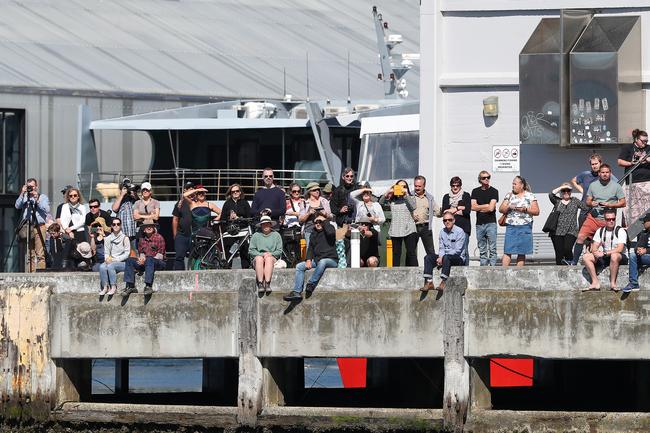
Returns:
(392, 155)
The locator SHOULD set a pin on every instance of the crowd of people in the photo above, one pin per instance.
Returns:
(126, 240)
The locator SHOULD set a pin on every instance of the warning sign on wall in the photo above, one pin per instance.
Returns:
(505, 158)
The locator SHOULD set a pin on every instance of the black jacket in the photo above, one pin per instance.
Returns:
(241, 208)
(322, 244)
(341, 197)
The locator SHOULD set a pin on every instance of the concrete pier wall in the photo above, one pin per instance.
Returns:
(53, 324)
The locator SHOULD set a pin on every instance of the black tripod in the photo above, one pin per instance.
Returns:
(30, 221)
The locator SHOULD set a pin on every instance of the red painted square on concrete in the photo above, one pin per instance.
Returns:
(353, 372)
(510, 372)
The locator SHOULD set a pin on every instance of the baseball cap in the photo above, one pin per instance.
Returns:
(146, 185)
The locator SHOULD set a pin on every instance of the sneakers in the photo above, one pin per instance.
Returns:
(148, 290)
(260, 287)
(267, 287)
(428, 285)
(129, 290)
(292, 297)
(112, 290)
(309, 289)
(630, 288)
(103, 291)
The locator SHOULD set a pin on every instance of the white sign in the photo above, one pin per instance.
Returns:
(505, 158)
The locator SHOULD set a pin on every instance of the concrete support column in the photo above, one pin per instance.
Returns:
(122, 376)
(456, 390)
(73, 380)
(479, 384)
(249, 391)
(284, 379)
(213, 374)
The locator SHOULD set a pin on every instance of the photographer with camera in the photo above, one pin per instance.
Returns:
(35, 208)
(402, 225)
(367, 207)
(315, 205)
(123, 207)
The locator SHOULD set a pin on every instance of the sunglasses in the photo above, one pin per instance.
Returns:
(94, 206)
(565, 190)
(145, 190)
(73, 195)
(348, 176)
(485, 177)
(235, 191)
(456, 185)
(268, 176)
(116, 224)
(318, 222)
(295, 191)
(610, 219)
(447, 220)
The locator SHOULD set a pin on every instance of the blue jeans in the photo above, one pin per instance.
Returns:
(637, 261)
(430, 262)
(319, 268)
(182, 245)
(486, 235)
(108, 273)
(150, 266)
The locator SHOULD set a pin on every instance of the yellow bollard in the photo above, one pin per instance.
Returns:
(303, 249)
(389, 253)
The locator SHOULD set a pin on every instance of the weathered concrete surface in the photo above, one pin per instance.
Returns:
(171, 325)
(561, 324)
(502, 421)
(368, 323)
(27, 374)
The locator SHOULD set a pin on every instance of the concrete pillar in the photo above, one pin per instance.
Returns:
(284, 380)
(479, 384)
(249, 390)
(121, 376)
(456, 389)
(73, 380)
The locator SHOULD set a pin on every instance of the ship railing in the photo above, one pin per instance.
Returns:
(167, 185)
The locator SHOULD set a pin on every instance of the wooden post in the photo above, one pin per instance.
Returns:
(456, 389)
(249, 392)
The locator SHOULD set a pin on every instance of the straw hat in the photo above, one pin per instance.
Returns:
(327, 188)
(84, 250)
(101, 222)
(264, 220)
(148, 223)
(311, 186)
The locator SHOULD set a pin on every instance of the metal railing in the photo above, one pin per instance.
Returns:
(168, 184)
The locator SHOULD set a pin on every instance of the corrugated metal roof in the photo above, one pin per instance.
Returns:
(221, 48)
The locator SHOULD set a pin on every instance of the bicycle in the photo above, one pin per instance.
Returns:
(209, 251)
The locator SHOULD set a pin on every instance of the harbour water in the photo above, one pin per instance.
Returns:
(185, 375)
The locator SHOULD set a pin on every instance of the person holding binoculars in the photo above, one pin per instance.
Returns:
(402, 226)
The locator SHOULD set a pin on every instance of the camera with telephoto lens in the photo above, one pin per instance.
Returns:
(130, 186)
(30, 188)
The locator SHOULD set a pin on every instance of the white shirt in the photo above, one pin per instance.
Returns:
(609, 239)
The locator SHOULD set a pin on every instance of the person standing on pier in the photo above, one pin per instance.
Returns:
(520, 206)
(29, 199)
(451, 244)
(607, 249)
(582, 181)
(601, 194)
(458, 202)
(639, 256)
(270, 199)
(342, 206)
(484, 203)
(425, 211)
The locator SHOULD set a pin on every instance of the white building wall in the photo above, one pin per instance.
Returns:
(469, 51)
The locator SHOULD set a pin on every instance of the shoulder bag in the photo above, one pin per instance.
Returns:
(551, 222)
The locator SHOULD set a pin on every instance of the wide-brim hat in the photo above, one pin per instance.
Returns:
(266, 220)
(312, 185)
(100, 221)
(84, 250)
(148, 223)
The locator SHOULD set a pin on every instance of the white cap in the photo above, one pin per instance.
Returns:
(146, 185)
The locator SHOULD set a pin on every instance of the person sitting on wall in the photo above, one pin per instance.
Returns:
(321, 254)
(265, 249)
(607, 249)
(369, 243)
(639, 256)
(452, 252)
(151, 257)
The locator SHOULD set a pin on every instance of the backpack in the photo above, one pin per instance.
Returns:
(601, 233)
